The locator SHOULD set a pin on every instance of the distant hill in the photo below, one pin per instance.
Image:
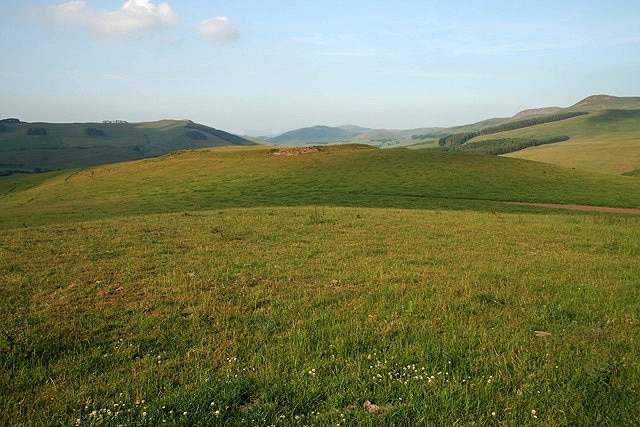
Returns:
(587, 105)
(36, 147)
(378, 135)
(318, 135)
(537, 112)
(599, 133)
(602, 102)
(605, 140)
(357, 134)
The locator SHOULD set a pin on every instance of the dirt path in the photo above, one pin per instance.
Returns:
(580, 207)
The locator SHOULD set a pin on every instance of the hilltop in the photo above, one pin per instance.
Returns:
(37, 147)
(587, 105)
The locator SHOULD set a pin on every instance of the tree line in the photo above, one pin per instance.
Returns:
(498, 146)
(458, 139)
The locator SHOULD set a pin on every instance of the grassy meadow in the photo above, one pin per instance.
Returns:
(349, 286)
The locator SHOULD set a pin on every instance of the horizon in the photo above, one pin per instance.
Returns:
(257, 69)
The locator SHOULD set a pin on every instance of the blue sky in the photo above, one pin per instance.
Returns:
(265, 67)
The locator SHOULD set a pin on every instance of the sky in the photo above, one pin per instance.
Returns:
(265, 67)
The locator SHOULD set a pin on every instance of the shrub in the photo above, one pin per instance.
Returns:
(94, 132)
(36, 131)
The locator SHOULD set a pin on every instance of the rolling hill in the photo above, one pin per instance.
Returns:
(600, 133)
(587, 105)
(603, 141)
(319, 134)
(36, 147)
(337, 175)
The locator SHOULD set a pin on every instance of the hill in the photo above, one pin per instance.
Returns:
(340, 175)
(605, 141)
(317, 135)
(35, 147)
(587, 105)
(600, 133)
(428, 137)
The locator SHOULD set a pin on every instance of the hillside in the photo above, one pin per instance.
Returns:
(587, 105)
(34, 147)
(603, 141)
(317, 135)
(341, 175)
(600, 133)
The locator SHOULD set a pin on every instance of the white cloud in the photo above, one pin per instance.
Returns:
(134, 16)
(219, 29)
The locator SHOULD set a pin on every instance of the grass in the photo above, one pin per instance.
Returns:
(298, 316)
(339, 175)
(235, 287)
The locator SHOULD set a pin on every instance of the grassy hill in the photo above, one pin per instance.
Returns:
(605, 141)
(348, 285)
(587, 105)
(604, 138)
(317, 135)
(345, 175)
(428, 138)
(29, 147)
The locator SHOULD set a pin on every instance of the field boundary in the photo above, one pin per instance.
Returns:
(606, 209)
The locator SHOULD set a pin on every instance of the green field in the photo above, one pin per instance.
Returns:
(347, 286)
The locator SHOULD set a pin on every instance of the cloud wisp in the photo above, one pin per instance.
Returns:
(134, 16)
(218, 29)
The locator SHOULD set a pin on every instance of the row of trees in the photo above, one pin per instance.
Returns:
(498, 146)
(94, 132)
(43, 131)
(460, 138)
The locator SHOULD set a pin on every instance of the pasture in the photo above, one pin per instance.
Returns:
(346, 286)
